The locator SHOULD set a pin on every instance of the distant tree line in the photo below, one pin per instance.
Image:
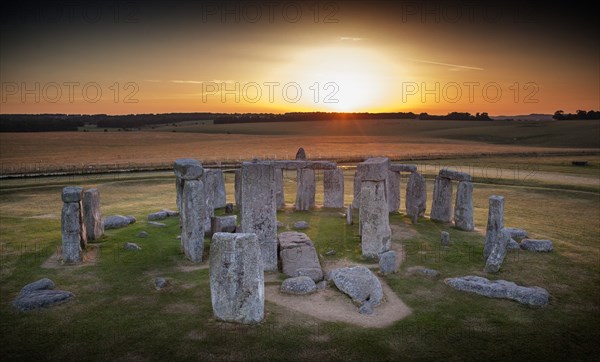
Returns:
(457, 116)
(307, 116)
(580, 114)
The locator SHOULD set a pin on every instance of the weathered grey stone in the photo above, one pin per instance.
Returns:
(455, 175)
(366, 308)
(117, 221)
(330, 252)
(279, 193)
(159, 215)
(356, 190)
(92, 217)
(402, 167)
(393, 191)
(517, 233)
(298, 285)
(388, 262)
(226, 224)
(72, 194)
(236, 278)
(298, 256)
(463, 209)
(300, 225)
(73, 232)
(40, 298)
(374, 169)
(259, 214)
(209, 180)
(187, 169)
(42, 284)
(301, 155)
(157, 224)
(349, 220)
(498, 252)
(238, 188)
(445, 238)
(495, 223)
(192, 222)
(416, 195)
(536, 245)
(374, 219)
(300, 164)
(160, 283)
(132, 246)
(321, 285)
(220, 195)
(333, 188)
(441, 206)
(535, 296)
(142, 234)
(359, 283)
(512, 245)
(428, 272)
(305, 194)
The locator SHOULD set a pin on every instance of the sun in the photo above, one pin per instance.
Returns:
(343, 79)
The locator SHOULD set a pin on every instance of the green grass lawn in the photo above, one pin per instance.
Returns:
(118, 315)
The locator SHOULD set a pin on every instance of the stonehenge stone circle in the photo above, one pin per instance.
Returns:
(72, 225)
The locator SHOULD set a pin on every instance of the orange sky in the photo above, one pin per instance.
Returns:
(129, 57)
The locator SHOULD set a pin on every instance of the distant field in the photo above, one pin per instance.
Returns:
(338, 140)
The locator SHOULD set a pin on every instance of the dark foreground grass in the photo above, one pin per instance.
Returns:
(118, 315)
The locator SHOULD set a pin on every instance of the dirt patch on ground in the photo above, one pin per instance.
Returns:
(333, 306)
(90, 257)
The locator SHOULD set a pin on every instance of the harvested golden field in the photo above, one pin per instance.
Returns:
(338, 140)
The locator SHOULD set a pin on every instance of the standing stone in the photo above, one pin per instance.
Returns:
(445, 238)
(393, 191)
(416, 196)
(279, 193)
(333, 188)
(349, 220)
(299, 256)
(72, 226)
(388, 262)
(441, 206)
(374, 219)
(463, 210)
(192, 221)
(220, 194)
(237, 286)
(238, 188)
(498, 252)
(495, 223)
(305, 195)
(258, 213)
(301, 155)
(92, 217)
(209, 179)
(185, 169)
(356, 190)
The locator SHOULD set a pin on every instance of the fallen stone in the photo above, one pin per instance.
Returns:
(117, 221)
(536, 245)
(299, 285)
(132, 246)
(159, 215)
(429, 272)
(517, 233)
(388, 262)
(512, 245)
(157, 224)
(160, 283)
(236, 278)
(359, 283)
(330, 252)
(445, 238)
(298, 256)
(300, 225)
(534, 296)
(143, 234)
(42, 284)
(41, 299)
